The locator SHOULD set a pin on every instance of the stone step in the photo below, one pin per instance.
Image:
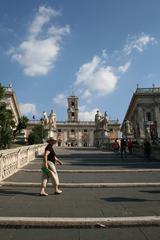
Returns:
(124, 163)
(96, 170)
(79, 222)
(84, 185)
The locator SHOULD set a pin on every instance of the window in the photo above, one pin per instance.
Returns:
(85, 130)
(72, 130)
(72, 114)
(148, 116)
(72, 104)
(59, 130)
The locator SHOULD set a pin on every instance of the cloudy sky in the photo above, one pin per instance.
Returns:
(97, 49)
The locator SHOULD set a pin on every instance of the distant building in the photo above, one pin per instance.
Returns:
(142, 118)
(72, 132)
(76, 133)
(81, 133)
(11, 103)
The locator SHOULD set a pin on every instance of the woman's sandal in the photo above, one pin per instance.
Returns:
(43, 194)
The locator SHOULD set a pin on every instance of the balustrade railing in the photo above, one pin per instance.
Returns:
(12, 160)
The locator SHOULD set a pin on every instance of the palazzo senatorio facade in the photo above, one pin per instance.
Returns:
(74, 132)
(81, 133)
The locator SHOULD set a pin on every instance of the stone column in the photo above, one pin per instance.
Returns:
(141, 122)
(80, 138)
(157, 118)
(91, 138)
(64, 137)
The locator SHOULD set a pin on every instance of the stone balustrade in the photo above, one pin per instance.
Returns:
(13, 159)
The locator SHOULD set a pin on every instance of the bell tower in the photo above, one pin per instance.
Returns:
(72, 108)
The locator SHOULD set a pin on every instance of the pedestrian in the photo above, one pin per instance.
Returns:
(49, 169)
(147, 150)
(130, 146)
(123, 148)
(115, 145)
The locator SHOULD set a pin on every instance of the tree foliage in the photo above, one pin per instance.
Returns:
(37, 135)
(22, 124)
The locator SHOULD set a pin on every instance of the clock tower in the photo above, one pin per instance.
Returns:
(72, 109)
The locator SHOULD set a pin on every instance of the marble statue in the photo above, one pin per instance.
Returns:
(128, 127)
(52, 120)
(101, 121)
(97, 117)
(45, 119)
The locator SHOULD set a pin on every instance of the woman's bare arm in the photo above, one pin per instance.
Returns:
(58, 160)
(45, 159)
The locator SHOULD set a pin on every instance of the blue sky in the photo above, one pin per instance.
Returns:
(99, 49)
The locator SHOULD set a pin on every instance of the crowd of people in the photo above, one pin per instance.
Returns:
(124, 146)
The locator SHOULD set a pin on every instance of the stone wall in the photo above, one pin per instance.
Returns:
(138, 150)
(13, 159)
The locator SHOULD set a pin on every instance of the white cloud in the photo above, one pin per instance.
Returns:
(86, 94)
(42, 17)
(59, 31)
(97, 76)
(87, 115)
(38, 52)
(60, 99)
(138, 43)
(28, 108)
(124, 68)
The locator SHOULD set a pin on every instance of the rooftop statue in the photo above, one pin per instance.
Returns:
(52, 120)
(97, 117)
(105, 121)
(45, 119)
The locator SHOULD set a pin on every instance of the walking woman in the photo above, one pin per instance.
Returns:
(49, 169)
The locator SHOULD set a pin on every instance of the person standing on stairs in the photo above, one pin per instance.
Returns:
(49, 169)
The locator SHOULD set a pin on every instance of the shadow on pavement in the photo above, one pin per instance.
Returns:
(150, 191)
(4, 192)
(123, 199)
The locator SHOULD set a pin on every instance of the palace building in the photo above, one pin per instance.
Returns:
(72, 132)
(142, 119)
(11, 103)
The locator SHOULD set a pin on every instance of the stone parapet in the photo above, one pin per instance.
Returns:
(155, 154)
(11, 160)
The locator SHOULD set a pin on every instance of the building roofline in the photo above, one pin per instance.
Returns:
(141, 92)
(10, 92)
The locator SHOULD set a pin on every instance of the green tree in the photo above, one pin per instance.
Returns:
(7, 123)
(37, 135)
